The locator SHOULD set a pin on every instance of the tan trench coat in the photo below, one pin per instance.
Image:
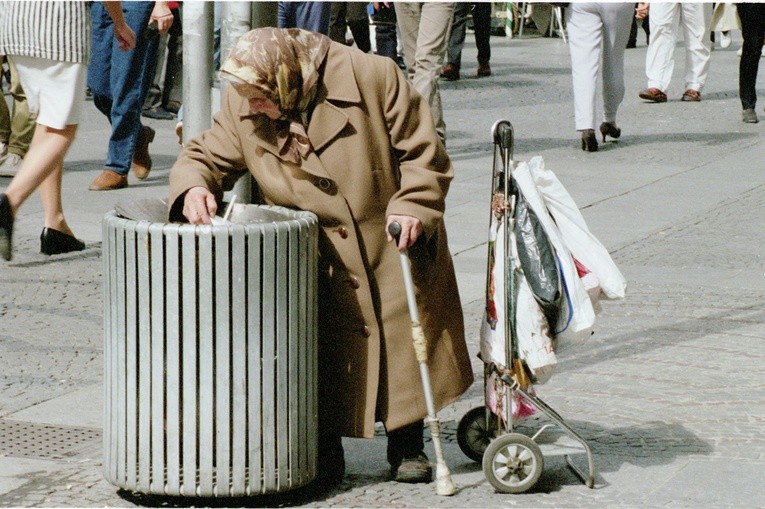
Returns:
(376, 153)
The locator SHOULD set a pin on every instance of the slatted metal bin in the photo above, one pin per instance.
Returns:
(210, 354)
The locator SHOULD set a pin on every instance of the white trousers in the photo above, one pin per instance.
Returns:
(425, 30)
(595, 28)
(665, 20)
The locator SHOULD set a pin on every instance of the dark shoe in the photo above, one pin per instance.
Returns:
(172, 107)
(413, 470)
(6, 227)
(483, 70)
(691, 95)
(654, 95)
(55, 242)
(141, 158)
(331, 464)
(749, 116)
(108, 180)
(158, 113)
(589, 141)
(450, 72)
(610, 129)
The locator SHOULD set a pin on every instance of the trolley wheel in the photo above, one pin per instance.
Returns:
(513, 463)
(473, 434)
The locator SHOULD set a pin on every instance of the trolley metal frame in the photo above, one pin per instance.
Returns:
(513, 462)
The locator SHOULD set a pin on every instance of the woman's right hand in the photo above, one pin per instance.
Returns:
(641, 11)
(199, 205)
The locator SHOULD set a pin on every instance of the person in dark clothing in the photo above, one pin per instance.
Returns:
(752, 16)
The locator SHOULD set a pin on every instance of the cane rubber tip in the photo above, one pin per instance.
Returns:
(444, 484)
(445, 489)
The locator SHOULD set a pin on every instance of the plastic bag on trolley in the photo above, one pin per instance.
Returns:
(576, 314)
(582, 244)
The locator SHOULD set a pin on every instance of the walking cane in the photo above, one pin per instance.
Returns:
(444, 484)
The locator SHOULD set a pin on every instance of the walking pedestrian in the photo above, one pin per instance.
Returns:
(327, 128)
(597, 36)
(50, 50)
(353, 15)
(425, 36)
(666, 18)
(119, 81)
(165, 94)
(481, 12)
(752, 16)
(16, 126)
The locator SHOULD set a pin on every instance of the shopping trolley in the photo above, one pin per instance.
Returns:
(513, 462)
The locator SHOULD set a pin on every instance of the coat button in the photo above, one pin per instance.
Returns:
(343, 232)
(325, 184)
(366, 332)
(355, 283)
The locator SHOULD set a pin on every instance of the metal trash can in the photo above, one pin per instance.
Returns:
(210, 353)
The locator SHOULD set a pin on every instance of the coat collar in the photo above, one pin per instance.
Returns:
(338, 85)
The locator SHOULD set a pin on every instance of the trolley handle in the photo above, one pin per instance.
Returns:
(503, 134)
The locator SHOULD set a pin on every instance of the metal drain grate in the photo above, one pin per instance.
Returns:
(32, 440)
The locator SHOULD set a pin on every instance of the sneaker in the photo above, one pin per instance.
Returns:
(413, 470)
(10, 165)
(749, 116)
(158, 113)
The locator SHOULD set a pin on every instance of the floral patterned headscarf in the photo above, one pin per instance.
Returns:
(283, 65)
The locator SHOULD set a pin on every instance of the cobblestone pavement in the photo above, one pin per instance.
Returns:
(668, 392)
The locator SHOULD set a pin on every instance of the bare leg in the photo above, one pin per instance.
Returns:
(43, 167)
(50, 194)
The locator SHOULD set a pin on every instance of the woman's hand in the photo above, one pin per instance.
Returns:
(199, 205)
(411, 229)
(163, 16)
(641, 11)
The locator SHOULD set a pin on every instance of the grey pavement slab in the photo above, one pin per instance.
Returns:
(668, 392)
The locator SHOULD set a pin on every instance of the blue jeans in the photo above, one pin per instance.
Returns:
(120, 80)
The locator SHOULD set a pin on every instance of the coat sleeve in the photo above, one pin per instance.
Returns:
(425, 170)
(214, 159)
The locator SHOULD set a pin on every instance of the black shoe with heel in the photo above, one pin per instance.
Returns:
(610, 129)
(589, 141)
(6, 227)
(54, 242)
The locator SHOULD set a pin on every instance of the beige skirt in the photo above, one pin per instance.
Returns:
(55, 90)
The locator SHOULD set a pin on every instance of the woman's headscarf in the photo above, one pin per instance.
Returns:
(283, 65)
